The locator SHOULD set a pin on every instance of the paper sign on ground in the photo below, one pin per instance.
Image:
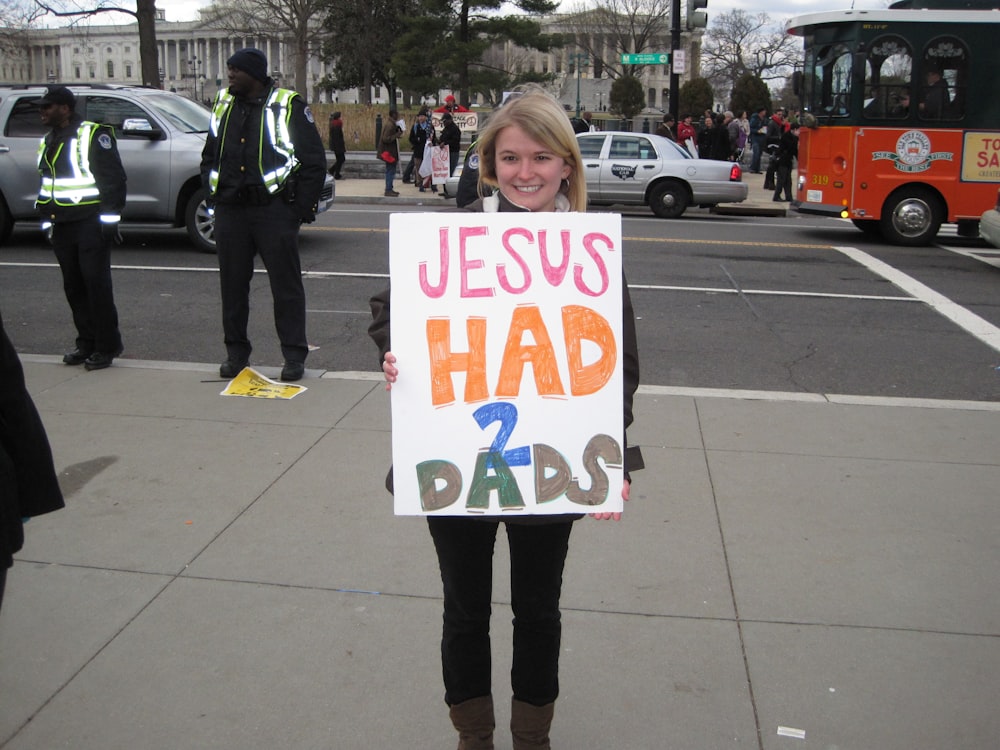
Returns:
(507, 331)
(251, 384)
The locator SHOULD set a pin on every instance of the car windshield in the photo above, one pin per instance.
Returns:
(182, 113)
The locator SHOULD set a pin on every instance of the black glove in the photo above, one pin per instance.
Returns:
(110, 231)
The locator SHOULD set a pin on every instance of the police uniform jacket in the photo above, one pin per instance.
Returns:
(241, 151)
(61, 152)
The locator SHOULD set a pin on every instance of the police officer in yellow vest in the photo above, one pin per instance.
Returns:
(81, 199)
(263, 166)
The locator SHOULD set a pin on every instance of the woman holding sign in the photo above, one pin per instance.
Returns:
(528, 155)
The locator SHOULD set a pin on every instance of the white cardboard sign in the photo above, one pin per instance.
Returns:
(507, 332)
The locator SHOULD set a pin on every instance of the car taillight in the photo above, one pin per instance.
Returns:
(735, 173)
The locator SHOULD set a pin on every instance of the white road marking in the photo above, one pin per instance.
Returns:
(982, 329)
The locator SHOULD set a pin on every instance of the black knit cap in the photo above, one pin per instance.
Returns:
(58, 95)
(252, 61)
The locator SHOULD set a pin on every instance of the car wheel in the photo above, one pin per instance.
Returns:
(868, 226)
(911, 216)
(669, 200)
(200, 224)
(6, 222)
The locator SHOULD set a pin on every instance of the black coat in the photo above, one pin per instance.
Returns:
(788, 149)
(28, 483)
(337, 144)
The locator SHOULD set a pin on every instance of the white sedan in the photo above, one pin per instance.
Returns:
(647, 170)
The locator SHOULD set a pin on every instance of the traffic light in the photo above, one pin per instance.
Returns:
(696, 19)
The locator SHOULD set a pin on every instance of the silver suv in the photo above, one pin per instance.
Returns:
(160, 138)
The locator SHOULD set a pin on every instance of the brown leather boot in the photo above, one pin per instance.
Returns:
(475, 723)
(529, 725)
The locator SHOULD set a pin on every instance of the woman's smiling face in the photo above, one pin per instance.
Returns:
(528, 173)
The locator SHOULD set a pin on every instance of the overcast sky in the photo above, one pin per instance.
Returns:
(779, 10)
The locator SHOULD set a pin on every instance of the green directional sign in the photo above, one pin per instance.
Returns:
(646, 58)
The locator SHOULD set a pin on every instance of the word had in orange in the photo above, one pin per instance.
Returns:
(579, 324)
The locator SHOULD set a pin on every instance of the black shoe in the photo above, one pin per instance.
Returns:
(100, 360)
(293, 371)
(76, 357)
(391, 194)
(231, 368)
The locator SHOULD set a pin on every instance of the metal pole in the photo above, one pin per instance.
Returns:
(579, 59)
(675, 44)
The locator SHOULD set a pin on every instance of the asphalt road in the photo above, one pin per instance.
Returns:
(799, 304)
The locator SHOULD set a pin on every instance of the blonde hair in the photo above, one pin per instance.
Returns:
(544, 120)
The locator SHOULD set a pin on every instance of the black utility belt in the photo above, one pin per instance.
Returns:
(253, 195)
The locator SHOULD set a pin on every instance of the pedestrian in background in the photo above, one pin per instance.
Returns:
(529, 153)
(450, 136)
(775, 128)
(388, 151)
(337, 145)
(758, 138)
(28, 483)
(686, 132)
(743, 140)
(81, 199)
(788, 151)
(264, 176)
(666, 128)
(421, 133)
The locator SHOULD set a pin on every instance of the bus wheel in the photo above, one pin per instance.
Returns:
(911, 216)
(669, 200)
(868, 226)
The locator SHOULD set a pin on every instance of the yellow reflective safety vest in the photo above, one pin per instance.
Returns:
(278, 160)
(78, 187)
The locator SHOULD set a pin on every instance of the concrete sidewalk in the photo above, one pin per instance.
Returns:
(228, 574)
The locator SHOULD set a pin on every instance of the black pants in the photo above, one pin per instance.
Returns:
(772, 168)
(85, 261)
(783, 181)
(537, 556)
(241, 232)
(335, 169)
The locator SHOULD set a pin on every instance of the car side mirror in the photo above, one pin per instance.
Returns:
(141, 127)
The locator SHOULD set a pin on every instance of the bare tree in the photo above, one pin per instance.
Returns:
(145, 16)
(612, 27)
(297, 23)
(16, 17)
(738, 43)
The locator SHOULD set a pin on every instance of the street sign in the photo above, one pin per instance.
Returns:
(646, 58)
(680, 62)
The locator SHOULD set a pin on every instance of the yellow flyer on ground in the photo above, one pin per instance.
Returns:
(507, 332)
(251, 384)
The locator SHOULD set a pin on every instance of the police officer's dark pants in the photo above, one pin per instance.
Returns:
(85, 261)
(537, 556)
(241, 232)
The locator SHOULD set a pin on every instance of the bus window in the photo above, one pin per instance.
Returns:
(945, 68)
(832, 90)
(888, 72)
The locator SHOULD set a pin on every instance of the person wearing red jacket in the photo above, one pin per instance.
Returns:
(450, 105)
(685, 130)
